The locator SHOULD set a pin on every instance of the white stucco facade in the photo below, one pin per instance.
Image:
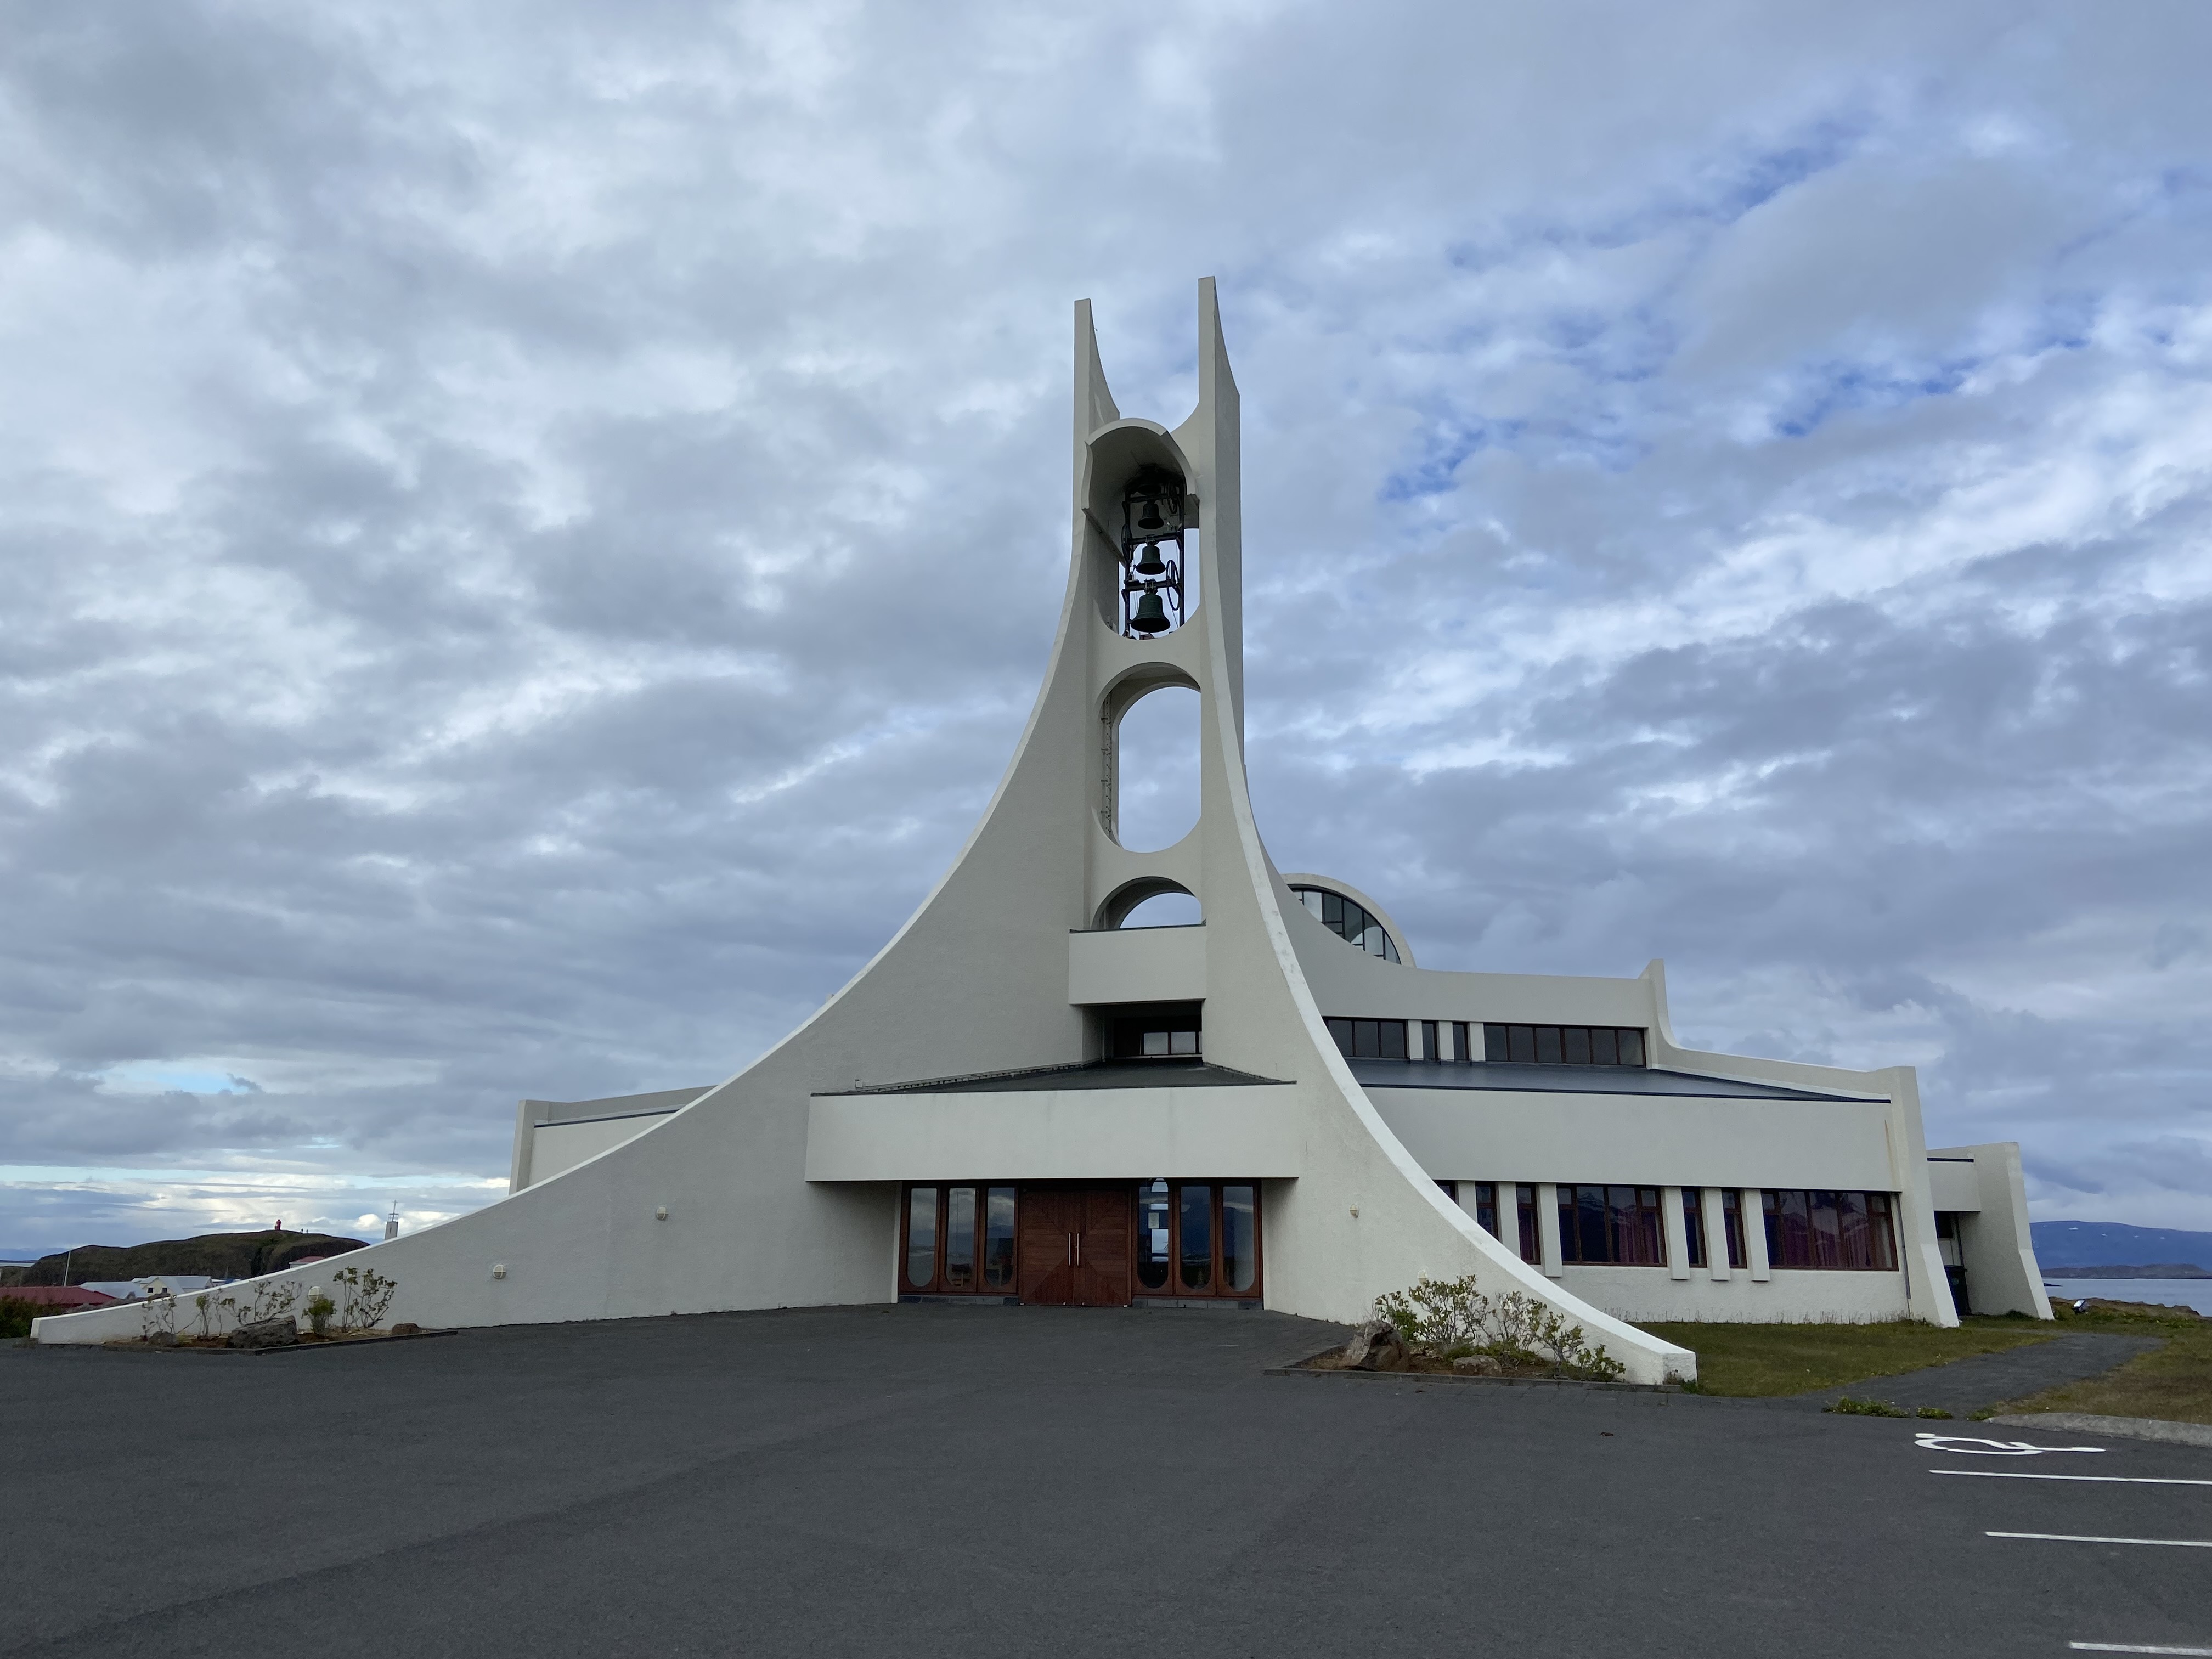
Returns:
(973, 1047)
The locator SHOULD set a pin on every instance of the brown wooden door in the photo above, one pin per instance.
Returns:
(1101, 1250)
(1046, 1268)
(1074, 1246)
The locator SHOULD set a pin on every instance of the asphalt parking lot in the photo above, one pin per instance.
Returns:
(924, 1481)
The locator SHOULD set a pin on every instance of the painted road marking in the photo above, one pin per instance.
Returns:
(2130, 1647)
(1971, 1446)
(2121, 1479)
(2076, 1538)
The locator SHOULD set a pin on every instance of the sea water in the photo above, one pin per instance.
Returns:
(2189, 1292)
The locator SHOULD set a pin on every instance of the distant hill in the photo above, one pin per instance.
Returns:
(219, 1256)
(2062, 1245)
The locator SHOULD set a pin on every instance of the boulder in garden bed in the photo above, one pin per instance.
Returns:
(1376, 1347)
(266, 1334)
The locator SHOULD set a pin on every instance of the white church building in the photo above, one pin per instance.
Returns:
(1021, 1099)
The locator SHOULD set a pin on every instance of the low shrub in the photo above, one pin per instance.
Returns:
(1450, 1320)
(365, 1294)
(1851, 1408)
(157, 1319)
(267, 1302)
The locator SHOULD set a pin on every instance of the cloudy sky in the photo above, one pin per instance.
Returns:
(528, 532)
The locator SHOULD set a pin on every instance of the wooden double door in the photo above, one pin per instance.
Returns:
(1075, 1247)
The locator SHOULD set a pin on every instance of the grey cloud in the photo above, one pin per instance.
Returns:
(531, 532)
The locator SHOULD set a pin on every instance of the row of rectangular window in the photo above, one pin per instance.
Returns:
(1451, 1042)
(1622, 1226)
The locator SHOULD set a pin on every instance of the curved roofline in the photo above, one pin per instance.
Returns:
(1307, 878)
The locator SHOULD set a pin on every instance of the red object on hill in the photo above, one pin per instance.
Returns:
(63, 1299)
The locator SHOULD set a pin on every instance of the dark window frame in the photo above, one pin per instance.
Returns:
(1128, 1026)
(1529, 1218)
(1738, 1252)
(1630, 1231)
(1797, 1240)
(1360, 1038)
(1506, 1043)
(1486, 1208)
(1217, 1278)
(940, 1281)
(1349, 920)
(1693, 1227)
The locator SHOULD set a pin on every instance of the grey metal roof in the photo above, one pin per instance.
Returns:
(1184, 1073)
(1372, 1074)
(1574, 1080)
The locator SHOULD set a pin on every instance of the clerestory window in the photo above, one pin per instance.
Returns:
(1348, 919)
(1563, 1045)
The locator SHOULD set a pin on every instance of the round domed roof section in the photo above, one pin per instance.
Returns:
(1353, 916)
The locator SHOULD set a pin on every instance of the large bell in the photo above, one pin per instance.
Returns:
(1152, 520)
(1148, 561)
(1152, 616)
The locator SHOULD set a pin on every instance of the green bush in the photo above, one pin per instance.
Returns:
(1449, 1319)
(1851, 1408)
(365, 1294)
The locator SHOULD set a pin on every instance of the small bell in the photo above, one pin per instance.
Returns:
(1152, 520)
(1149, 563)
(1151, 617)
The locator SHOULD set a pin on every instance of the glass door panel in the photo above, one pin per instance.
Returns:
(998, 1239)
(1194, 1221)
(922, 1238)
(960, 1239)
(1240, 1239)
(1152, 1237)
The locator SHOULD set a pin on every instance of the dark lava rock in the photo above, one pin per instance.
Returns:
(266, 1334)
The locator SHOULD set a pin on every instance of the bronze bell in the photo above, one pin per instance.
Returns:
(1148, 561)
(1152, 520)
(1151, 617)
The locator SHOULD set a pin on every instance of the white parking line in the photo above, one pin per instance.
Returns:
(2130, 1647)
(2077, 1538)
(2108, 1480)
(1974, 1446)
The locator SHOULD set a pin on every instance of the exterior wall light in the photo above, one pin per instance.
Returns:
(662, 1213)
(498, 1270)
(1151, 518)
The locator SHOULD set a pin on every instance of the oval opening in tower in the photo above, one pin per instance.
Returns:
(1156, 769)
